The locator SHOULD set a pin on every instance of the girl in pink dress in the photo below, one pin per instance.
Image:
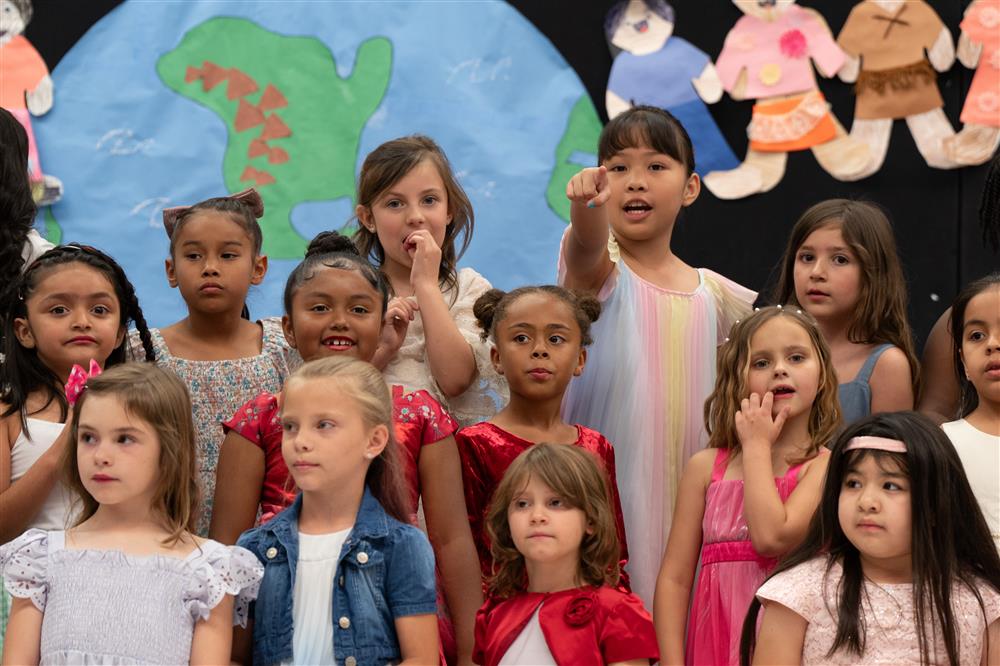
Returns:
(747, 499)
(897, 523)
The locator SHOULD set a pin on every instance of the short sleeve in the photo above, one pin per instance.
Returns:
(481, 632)
(931, 25)
(257, 418)
(24, 563)
(981, 22)
(800, 589)
(735, 50)
(850, 38)
(733, 302)
(823, 49)
(219, 571)
(628, 632)
(421, 407)
(410, 581)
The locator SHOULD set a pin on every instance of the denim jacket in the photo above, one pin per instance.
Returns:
(385, 571)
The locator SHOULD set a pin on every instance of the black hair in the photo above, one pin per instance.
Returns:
(17, 208)
(950, 539)
(491, 307)
(22, 372)
(989, 206)
(646, 126)
(332, 250)
(968, 398)
(239, 211)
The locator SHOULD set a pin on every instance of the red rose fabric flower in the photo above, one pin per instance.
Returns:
(580, 609)
(793, 44)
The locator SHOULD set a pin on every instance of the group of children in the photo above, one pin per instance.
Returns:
(409, 466)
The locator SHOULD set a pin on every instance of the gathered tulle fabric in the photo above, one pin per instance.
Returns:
(731, 570)
(109, 607)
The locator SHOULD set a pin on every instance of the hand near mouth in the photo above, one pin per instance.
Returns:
(755, 423)
(425, 256)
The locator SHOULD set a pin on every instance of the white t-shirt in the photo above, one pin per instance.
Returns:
(529, 647)
(980, 454)
(312, 603)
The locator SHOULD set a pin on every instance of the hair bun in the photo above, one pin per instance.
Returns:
(589, 305)
(485, 308)
(331, 242)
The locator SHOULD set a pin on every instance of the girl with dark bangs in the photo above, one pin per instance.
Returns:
(899, 553)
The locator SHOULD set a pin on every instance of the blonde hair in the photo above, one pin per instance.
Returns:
(578, 478)
(733, 367)
(366, 386)
(159, 398)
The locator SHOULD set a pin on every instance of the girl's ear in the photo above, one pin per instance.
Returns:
(286, 328)
(495, 360)
(377, 442)
(259, 269)
(580, 362)
(122, 332)
(691, 190)
(168, 265)
(364, 215)
(22, 331)
(961, 355)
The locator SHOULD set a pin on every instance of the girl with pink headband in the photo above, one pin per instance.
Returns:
(898, 566)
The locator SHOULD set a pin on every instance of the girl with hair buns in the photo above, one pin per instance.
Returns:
(335, 302)
(539, 336)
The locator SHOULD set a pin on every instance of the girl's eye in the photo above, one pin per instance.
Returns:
(852, 483)
(58, 310)
(192, 256)
(797, 358)
(805, 257)
(520, 504)
(288, 427)
(430, 200)
(556, 502)
(617, 168)
(126, 439)
(319, 307)
(976, 336)
(890, 485)
(841, 260)
(556, 339)
(324, 425)
(520, 338)
(87, 438)
(657, 167)
(229, 255)
(360, 310)
(393, 203)
(760, 363)
(102, 309)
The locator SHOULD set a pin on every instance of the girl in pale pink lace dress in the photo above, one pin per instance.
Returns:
(748, 498)
(898, 567)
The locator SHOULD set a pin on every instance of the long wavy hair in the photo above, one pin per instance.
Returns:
(731, 384)
(880, 314)
(951, 543)
(577, 477)
(17, 208)
(159, 398)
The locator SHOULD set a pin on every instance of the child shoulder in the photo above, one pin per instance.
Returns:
(892, 365)
(702, 462)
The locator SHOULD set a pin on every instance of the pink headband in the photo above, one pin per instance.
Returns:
(248, 197)
(880, 443)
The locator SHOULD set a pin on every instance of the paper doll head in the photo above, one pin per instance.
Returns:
(639, 26)
(14, 18)
(767, 10)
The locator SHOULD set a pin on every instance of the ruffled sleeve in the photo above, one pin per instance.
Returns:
(421, 408)
(24, 563)
(800, 589)
(733, 302)
(223, 570)
(256, 419)
(628, 633)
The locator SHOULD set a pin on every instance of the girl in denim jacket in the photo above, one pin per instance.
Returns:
(346, 580)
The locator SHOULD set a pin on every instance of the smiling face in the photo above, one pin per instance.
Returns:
(784, 362)
(545, 529)
(213, 262)
(827, 275)
(538, 347)
(326, 442)
(875, 512)
(980, 350)
(336, 311)
(117, 453)
(648, 190)
(417, 201)
(73, 315)
(642, 30)
(767, 10)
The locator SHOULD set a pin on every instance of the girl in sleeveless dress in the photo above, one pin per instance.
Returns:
(747, 499)
(840, 266)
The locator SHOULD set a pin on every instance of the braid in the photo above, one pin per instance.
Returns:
(989, 207)
(131, 306)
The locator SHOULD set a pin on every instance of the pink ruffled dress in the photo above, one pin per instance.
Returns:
(731, 570)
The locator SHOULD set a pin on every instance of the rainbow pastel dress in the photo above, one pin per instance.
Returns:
(648, 373)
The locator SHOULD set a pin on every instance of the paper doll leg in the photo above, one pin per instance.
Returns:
(844, 158)
(875, 134)
(760, 172)
(929, 130)
(975, 144)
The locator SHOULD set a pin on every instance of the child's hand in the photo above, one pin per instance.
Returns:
(754, 422)
(426, 257)
(398, 316)
(589, 187)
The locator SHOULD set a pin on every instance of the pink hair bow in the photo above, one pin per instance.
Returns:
(78, 380)
(249, 197)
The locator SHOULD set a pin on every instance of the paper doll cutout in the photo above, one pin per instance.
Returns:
(26, 89)
(979, 49)
(769, 55)
(655, 68)
(885, 41)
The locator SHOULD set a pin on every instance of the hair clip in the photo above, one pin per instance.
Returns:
(77, 381)
(248, 197)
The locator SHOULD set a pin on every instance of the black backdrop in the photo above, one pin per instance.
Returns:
(934, 212)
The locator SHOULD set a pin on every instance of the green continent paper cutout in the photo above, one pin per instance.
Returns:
(294, 125)
(583, 129)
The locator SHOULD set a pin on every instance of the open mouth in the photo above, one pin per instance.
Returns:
(338, 343)
(782, 392)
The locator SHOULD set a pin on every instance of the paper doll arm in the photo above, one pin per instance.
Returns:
(849, 72)
(826, 54)
(40, 99)
(708, 85)
(942, 53)
(615, 104)
(731, 63)
(968, 51)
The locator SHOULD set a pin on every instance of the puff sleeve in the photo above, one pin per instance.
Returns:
(24, 563)
(628, 633)
(220, 571)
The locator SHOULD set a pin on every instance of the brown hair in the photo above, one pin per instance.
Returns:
(491, 308)
(880, 315)
(160, 399)
(387, 165)
(733, 366)
(237, 210)
(367, 387)
(578, 478)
